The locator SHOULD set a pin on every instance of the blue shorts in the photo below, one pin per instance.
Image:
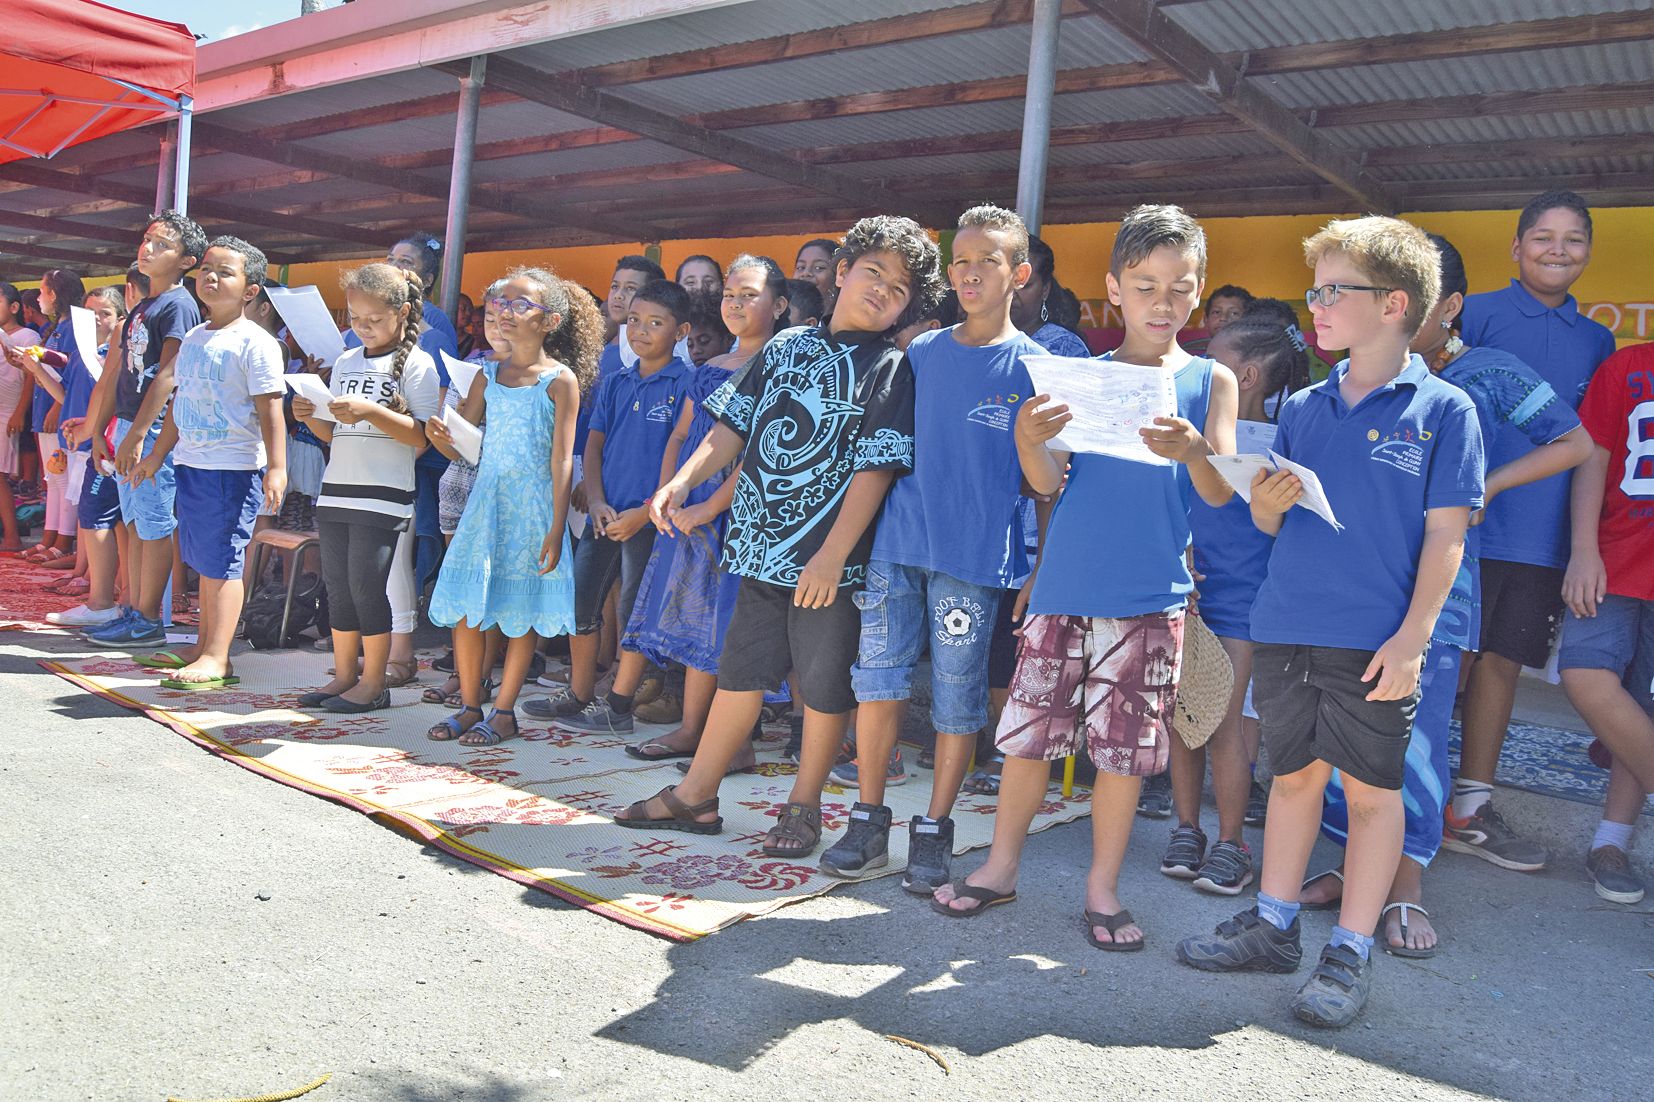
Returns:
(99, 508)
(219, 509)
(148, 507)
(1619, 638)
(903, 607)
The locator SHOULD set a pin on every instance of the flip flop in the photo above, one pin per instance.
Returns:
(1402, 950)
(1111, 923)
(160, 660)
(640, 752)
(200, 686)
(985, 897)
(1330, 905)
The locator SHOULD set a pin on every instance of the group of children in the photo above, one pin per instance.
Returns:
(797, 488)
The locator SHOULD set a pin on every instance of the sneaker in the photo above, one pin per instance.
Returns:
(135, 630)
(1244, 943)
(666, 708)
(596, 718)
(1155, 800)
(1486, 835)
(795, 742)
(82, 617)
(1184, 852)
(1337, 990)
(864, 846)
(845, 774)
(1616, 880)
(108, 627)
(778, 712)
(1257, 805)
(559, 704)
(649, 689)
(929, 854)
(553, 679)
(1226, 870)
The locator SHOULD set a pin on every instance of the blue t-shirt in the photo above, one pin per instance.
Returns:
(815, 408)
(1563, 347)
(144, 333)
(1411, 445)
(957, 513)
(77, 381)
(1115, 544)
(1230, 550)
(635, 414)
(41, 401)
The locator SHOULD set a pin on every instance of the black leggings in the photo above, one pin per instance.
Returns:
(356, 564)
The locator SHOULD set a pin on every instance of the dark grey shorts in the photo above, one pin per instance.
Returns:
(1313, 707)
(768, 638)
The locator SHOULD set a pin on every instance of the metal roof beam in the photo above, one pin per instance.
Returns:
(68, 256)
(60, 227)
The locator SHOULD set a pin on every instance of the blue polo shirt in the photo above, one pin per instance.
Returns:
(635, 413)
(1529, 524)
(957, 512)
(608, 362)
(1412, 444)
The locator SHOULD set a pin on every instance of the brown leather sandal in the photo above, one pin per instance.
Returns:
(682, 815)
(799, 824)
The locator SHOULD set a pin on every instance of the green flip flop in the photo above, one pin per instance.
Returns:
(197, 686)
(160, 660)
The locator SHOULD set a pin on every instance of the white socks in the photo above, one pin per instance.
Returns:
(1470, 797)
(1612, 834)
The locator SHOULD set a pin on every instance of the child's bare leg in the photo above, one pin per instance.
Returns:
(953, 758)
(376, 651)
(583, 665)
(727, 726)
(1614, 717)
(102, 566)
(221, 601)
(878, 725)
(1227, 750)
(1376, 822)
(628, 674)
(1289, 832)
(150, 577)
(1022, 785)
(347, 649)
(11, 541)
(470, 663)
(124, 566)
(1188, 772)
(1113, 809)
(823, 735)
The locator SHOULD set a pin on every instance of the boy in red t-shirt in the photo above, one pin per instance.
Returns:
(1607, 654)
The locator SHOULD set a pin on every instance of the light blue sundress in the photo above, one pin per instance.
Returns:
(491, 574)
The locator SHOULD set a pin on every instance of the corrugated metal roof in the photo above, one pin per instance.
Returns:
(1234, 25)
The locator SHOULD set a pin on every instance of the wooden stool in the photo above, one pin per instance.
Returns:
(294, 544)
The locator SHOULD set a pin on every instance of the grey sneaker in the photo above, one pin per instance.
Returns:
(1155, 800)
(929, 855)
(1184, 852)
(1257, 805)
(1244, 943)
(1486, 835)
(1616, 880)
(559, 704)
(864, 846)
(1226, 870)
(1337, 990)
(596, 718)
(848, 775)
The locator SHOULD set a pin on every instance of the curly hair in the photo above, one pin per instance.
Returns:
(918, 253)
(396, 289)
(577, 341)
(191, 237)
(1277, 349)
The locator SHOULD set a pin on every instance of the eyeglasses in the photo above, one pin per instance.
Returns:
(1327, 294)
(516, 307)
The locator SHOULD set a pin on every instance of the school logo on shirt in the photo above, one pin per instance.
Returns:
(996, 411)
(1402, 449)
(660, 411)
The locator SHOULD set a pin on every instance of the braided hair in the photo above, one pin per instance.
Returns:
(396, 289)
(577, 342)
(1277, 349)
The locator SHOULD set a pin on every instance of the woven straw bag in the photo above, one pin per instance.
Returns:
(1204, 685)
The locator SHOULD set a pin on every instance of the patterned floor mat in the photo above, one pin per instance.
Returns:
(536, 809)
(1546, 760)
(23, 604)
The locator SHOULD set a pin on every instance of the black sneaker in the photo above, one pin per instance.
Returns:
(1486, 835)
(1155, 800)
(1226, 870)
(1244, 943)
(559, 704)
(1184, 852)
(1257, 805)
(1337, 990)
(1616, 880)
(596, 718)
(929, 854)
(864, 846)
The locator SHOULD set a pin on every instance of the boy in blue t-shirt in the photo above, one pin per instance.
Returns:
(1101, 647)
(947, 545)
(631, 425)
(1524, 538)
(1342, 620)
(822, 422)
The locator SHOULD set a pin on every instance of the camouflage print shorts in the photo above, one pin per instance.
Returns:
(1110, 683)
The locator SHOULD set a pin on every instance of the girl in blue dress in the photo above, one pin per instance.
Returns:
(509, 565)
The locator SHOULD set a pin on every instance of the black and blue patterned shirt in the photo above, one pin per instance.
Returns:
(814, 408)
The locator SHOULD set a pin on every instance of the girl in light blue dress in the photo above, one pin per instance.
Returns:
(509, 565)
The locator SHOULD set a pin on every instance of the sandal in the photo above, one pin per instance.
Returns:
(984, 781)
(62, 562)
(452, 698)
(1111, 923)
(452, 728)
(985, 898)
(227, 681)
(406, 671)
(160, 660)
(75, 587)
(1330, 905)
(682, 815)
(484, 734)
(180, 604)
(640, 751)
(798, 824)
(1402, 950)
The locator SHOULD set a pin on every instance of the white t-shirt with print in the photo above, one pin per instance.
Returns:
(370, 476)
(216, 376)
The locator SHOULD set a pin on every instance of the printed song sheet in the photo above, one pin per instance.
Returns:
(308, 319)
(461, 375)
(85, 327)
(312, 389)
(1239, 470)
(467, 437)
(1110, 401)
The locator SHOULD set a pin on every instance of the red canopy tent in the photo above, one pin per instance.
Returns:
(74, 70)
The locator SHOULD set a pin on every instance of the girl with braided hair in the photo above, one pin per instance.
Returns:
(383, 392)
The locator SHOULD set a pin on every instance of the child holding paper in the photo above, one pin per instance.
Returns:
(1101, 647)
(1342, 620)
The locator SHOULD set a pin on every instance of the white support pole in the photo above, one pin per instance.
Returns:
(1036, 112)
(181, 170)
(459, 183)
(166, 166)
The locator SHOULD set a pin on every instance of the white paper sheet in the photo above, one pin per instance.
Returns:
(1254, 437)
(309, 321)
(467, 437)
(1239, 470)
(1315, 498)
(460, 374)
(311, 388)
(577, 519)
(1110, 401)
(85, 325)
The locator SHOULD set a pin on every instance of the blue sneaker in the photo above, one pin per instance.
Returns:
(136, 631)
(117, 626)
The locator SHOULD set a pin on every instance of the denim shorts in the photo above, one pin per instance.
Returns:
(148, 507)
(905, 607)
(1619, 638)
